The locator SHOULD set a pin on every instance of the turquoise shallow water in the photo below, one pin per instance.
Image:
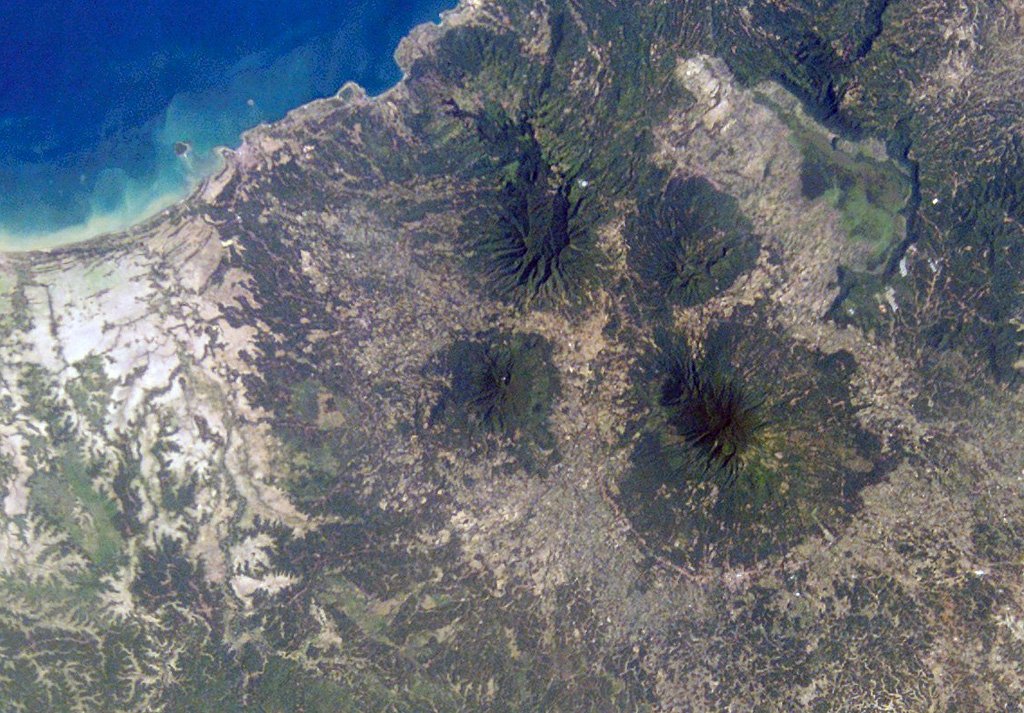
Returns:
(96, 96)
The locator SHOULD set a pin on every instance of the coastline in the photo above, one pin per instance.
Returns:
(100, 226)
(113, 227)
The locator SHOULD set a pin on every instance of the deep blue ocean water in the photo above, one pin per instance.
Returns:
(95, 94)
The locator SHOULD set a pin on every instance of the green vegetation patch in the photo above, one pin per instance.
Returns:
(14, 305)
(62, 487)
(324, 439)
(983, 254)
(285, 686)
(480, 58)
(691, 243)
(567, 130)
(66, 494)
(809, 47)
(720, 423)
(744, 445)
(869, 194)
(960, 286)
(90, 392)
(314, 405)
(500, 384)
(535, 243)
